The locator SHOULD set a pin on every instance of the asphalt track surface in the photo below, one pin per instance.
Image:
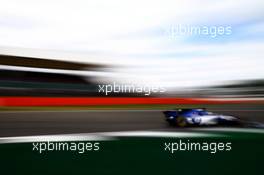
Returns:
(25, 123)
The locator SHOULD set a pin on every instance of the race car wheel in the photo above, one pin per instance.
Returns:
(181, 121)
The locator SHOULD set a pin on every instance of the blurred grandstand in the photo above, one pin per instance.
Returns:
(25, 76)
(239, 89)
(28, 76)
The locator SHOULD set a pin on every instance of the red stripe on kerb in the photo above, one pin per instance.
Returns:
(92, 101)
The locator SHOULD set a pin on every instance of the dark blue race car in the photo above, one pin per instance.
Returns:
(198, 117)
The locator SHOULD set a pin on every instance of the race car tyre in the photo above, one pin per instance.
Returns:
(181, 121)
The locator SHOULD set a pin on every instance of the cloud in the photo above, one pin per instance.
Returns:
(132, 34)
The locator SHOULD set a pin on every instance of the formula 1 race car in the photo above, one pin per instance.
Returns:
(198, 117)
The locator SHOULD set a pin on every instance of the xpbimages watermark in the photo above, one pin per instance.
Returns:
(212, 147)
(79, 147)
(129, 88)
(174, 32)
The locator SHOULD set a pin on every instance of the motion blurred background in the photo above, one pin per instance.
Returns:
(55, 49)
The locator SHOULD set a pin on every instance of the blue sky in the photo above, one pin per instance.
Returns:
(133, 34)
